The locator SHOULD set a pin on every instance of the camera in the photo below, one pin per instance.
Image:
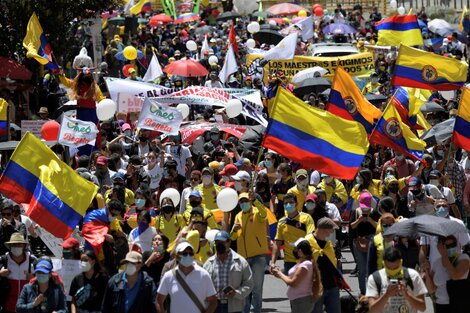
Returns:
(394, 281)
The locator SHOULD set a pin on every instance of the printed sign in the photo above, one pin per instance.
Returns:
(159, 117)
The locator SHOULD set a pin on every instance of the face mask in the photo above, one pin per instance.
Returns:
(215, 137)
(396, 273)
(168, 209)
(359, 180)
(374, 80)
(328, 179)
(85, 266)
(268, 163)
(130, 269)
(434, 182)
(17, 251)
(310, 206)
(140, 203)
(186, 260)
(289, 207)
(220, 248)
(245, 206)
(195, 203)
(111, 218)
(128, 133)
(388, 244)
(42, 278)
(442, 211)
(400, 157)
(440, 153)
(206, 180)
(393, 189)
(67, 254)
(452, 252)
(238, 186)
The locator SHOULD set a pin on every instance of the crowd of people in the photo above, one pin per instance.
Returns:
(154, 255)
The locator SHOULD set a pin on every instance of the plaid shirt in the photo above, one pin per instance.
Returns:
(457, 178)
(222, 278)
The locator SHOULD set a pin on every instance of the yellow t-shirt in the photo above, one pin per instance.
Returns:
(208, 217)
(291, 229)
(300, 195)
(170, 228)
(209, 196)
(375, 189)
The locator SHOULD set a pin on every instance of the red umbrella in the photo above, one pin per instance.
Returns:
(285, 9)
(13, 70)
(186, 68)
(160, 18)
(193, 130)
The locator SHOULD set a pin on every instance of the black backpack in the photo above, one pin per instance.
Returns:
(378, 279)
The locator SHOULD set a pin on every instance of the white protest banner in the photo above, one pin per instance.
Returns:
(31, 126)
(136, 88)
(250, 110)
(51, 241)
(197, 95)
(252, 95)
(159, 117)
(128, 102)
(67, 270)
(77, 133)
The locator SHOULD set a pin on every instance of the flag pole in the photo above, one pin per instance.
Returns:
(385, 110)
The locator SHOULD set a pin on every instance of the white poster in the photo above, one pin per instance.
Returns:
(159, 117)
(77, 133)
(128, 102)
(32, 126)
(67, 270)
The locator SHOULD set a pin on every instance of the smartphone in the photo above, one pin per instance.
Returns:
(227, 289)
(393, 281)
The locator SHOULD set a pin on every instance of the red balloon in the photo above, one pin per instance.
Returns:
(318, 11)
(126, 68)
(50, 130)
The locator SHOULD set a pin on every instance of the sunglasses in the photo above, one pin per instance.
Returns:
(194, 179)
(186, 254)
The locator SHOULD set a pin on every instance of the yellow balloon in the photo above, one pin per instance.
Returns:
(302, 13)
(130, 53)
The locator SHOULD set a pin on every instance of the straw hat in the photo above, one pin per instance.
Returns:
(15, 239)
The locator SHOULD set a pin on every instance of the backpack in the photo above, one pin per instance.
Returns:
(406, 277)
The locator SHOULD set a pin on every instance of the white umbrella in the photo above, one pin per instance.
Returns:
(437, 24)
(308, 73)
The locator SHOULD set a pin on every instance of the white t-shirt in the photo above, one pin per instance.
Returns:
(424, 206)
(396, 304)
(144, 240)
(441, 277)
(180, 154)
(185, 198)
(155, 174)
(198, 280)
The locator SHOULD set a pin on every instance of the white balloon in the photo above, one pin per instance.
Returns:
(184, 109)
(272, 22)
(251, 43)
(233, 108)
(171, 193)
(227, 199)
(393, 4)
(213, 60)
(401, 10)
(105, 109)
(210, 234)
(191, 45)
(253, 27)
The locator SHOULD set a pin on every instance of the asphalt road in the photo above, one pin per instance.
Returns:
(275, 299)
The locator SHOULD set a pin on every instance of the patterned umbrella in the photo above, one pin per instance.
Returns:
(426, 225)
(186, 18)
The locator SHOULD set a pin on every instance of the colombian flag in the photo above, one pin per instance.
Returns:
(57, 196)
(347, 101)
(419, 69)
(461, 136)
(408, 102)
(37, 45)
(399, 29)
(315, 138)
(95, 227)
(392, 132)
(141, 6)
(3, 117)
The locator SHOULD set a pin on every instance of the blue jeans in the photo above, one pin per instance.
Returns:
(254, 301)
(361, 259)
(330, 299)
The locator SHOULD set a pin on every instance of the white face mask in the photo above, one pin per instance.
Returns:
(85, 266)
(17, 251)
(238, 186)
(206, 179)
(130, 269)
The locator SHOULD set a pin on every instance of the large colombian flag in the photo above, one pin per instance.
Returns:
(141, 6)
(57, 196)
(37, 45)
(347, 101)
(399, 29)
(461, 136)
(391, 132)
(420, 69)
(315, 138)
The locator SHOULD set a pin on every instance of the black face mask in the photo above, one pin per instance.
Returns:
(296, 254)
(168, 209)
(393, 189)
(195, 203)
(143, 139)
(220, 248)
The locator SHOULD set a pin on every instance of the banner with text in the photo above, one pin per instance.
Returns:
(136, 88)
(360, 64)
(197, 95)
(159, 117)
(77, 133)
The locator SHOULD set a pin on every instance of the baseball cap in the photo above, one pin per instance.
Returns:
(207, 169)
(102, 160)
(222, 236)
(414, 183)
(195, 193)
(182, 246)
(70, 243)
(365, 200)
(242, 175)
(229, 169)
(214, 130)
(214, 165)
(243, 195)
(311, 197)
(43, 266)
(131, 70)
(133, 257)
(177, 52)
(326, 223)
(125, 126)
(435, 173)
(301, 172)
(171, 163)
(119, 175)
(243, 161)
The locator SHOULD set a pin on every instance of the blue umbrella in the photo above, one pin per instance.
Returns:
(120, 55)
(339, 28)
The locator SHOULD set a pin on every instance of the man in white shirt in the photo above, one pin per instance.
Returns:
(180, 153)
(197, 279)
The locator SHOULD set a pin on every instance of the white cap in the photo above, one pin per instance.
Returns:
(242, 175)
(182, 246)
(299, 241)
